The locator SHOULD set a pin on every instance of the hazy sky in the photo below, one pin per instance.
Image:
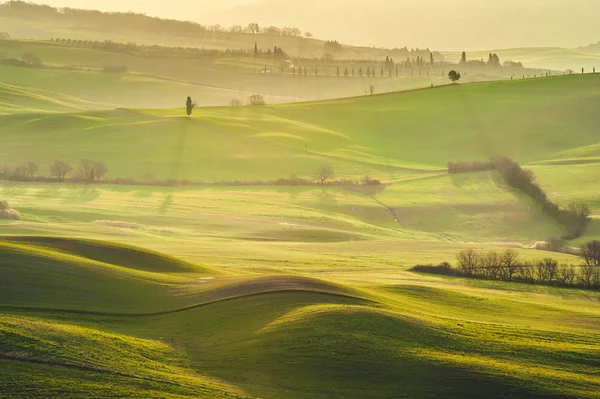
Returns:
(438, 24)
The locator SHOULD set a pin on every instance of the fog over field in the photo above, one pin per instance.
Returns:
(439, 24)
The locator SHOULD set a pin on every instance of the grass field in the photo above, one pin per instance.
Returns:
(294, 292)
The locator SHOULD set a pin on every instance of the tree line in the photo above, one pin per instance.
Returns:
(86, 171)
(574, 218)
(508, 267)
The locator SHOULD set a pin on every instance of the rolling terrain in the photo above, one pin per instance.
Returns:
(289, 292)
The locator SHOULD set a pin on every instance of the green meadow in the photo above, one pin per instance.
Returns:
(257, 290)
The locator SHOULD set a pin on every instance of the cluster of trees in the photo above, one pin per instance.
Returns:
(87, 171)
(574, 218)
(254, 99)
(493, 61)
(4, 36)
(508, 267)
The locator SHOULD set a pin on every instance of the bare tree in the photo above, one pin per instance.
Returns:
(510, 264)
(323, 173)
(590, 253)
(566, 275)
(468, 262)
(32, 169)
(491, 265)
(100, 169)
(60, 169)
(588, 276)
(546, 270)
(235, 102)
(85, 170)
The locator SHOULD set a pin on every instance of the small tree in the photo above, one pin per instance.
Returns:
(323, 173)
(346, 73)
(372, 89)
(60, 169)
(235, 102)
(189, 105)
(32, 169)
(256, 99)
(454, 76)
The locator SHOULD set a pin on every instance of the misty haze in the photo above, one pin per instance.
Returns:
(333, 199)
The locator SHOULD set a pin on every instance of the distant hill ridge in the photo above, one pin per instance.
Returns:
(230, 37)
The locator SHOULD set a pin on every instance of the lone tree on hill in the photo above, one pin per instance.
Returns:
(454, 76)
(323, 173)
(189, 105)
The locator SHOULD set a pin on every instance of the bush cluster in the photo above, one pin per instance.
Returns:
(574, 219)
(508, 267)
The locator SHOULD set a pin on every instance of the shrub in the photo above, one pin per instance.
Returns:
(444, 269)
(367, 181)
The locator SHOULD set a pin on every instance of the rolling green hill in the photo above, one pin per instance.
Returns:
(289, 292)
(291, 337)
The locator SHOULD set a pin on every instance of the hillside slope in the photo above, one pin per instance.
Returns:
(387, 136)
